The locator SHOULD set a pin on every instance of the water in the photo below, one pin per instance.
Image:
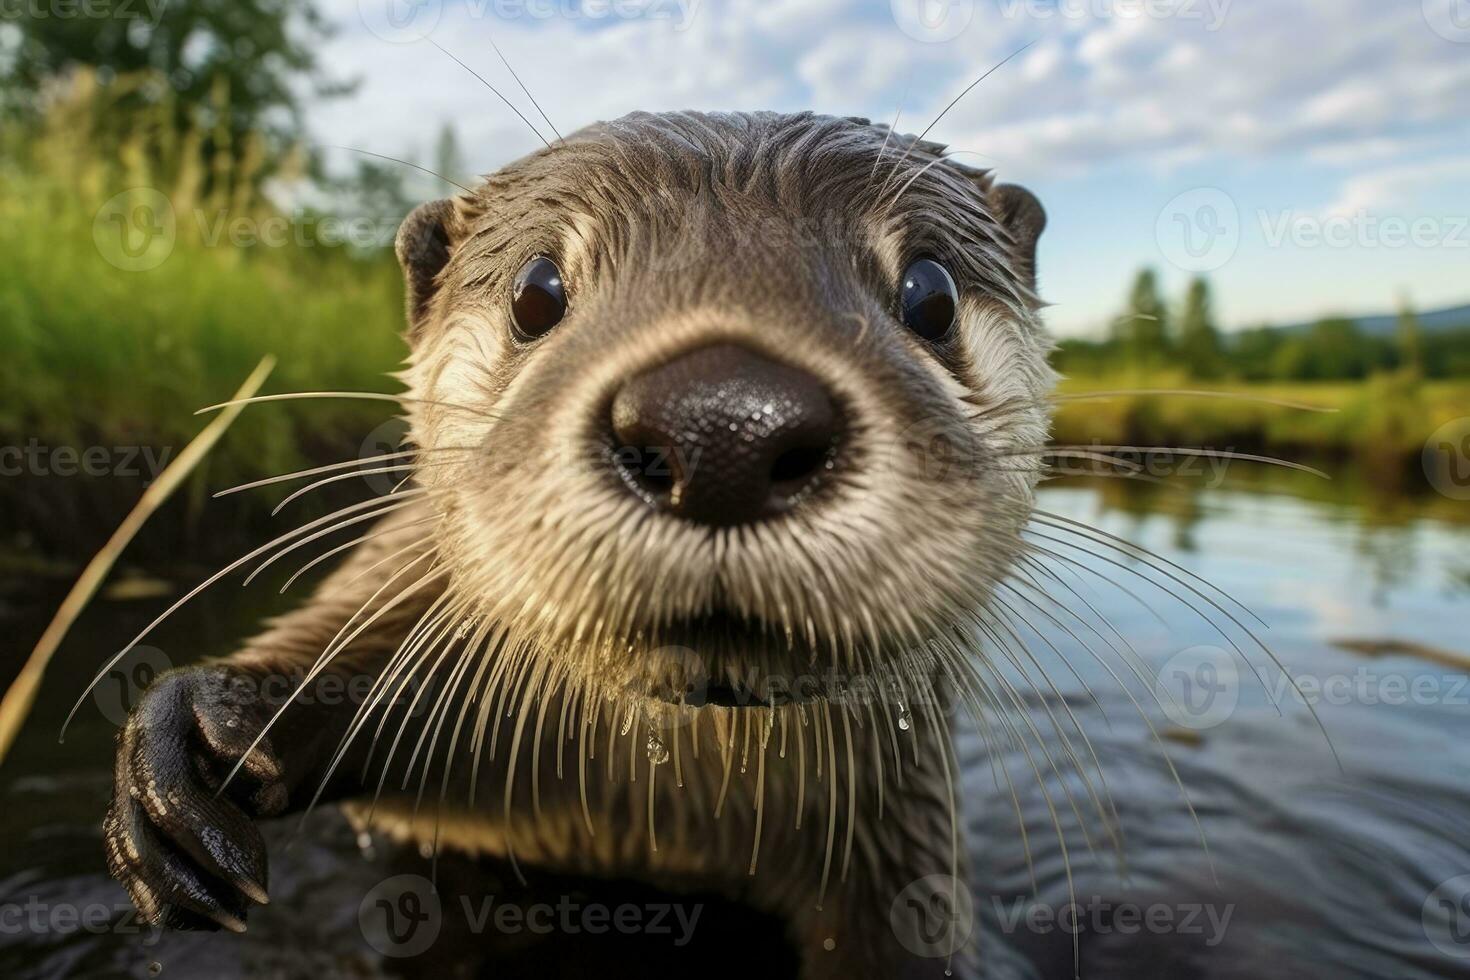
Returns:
(1311, 870)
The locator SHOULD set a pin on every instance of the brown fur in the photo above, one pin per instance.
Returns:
(559, 593)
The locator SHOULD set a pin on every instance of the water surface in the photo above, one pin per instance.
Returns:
(1297, 867)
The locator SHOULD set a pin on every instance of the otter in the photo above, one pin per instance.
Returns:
(724, 429)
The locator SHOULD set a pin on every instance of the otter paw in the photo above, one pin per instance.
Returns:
(190, 855)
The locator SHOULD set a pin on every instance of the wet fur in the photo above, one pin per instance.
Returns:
(554, 594)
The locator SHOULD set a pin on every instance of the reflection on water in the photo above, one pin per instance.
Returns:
(1310, 870)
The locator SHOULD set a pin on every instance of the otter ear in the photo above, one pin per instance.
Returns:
(1023, 216)
(422, 247)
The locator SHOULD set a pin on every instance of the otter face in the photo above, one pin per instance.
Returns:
(729, 400)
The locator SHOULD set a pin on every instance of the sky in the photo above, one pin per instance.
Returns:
(1310, 157)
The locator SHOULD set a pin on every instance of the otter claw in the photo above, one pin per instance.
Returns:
(185, 846)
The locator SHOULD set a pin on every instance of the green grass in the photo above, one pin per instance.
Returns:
(95, 355)
(1384, 419)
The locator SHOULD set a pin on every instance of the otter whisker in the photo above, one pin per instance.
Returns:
(492, 88)
(1096, 457)
(404, 163)
(236, 564)
(1063, 739)
(1158, 740)
(851, 793)
(510, 775)
(1244, 629)
(1190, 393)
(438, 712)
(442, 609)
(1111, 820)
(543, 703)
(322, 661)
(1031, 561)
(377, 396)
(360, 540)
(514, 74)
(945, 111)
(994, 751)
(373, 698)
(1079, 568)
(887, 138)
(1058, 472)
(393, 504)
(313, 471)
(1068, 525)
(412, 468)
(940, 733)
(442, 640)
(826, 727)
(1174, 451)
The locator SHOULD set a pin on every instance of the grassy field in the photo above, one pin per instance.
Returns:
(1381, 420)
(97, 355)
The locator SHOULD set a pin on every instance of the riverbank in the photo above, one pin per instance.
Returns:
(1383, 420)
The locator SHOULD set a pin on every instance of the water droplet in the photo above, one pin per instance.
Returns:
(627, 723)
(904, 718)
(232, 723)
(658, 752)
(155, 968)
(829, 944)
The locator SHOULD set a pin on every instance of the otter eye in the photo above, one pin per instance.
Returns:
(538, 298)
(928, 300)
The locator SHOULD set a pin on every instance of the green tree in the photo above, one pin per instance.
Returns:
(1199, 340)
(235, 69)
(1409, 340)
(1334, 349)
(448, 160)
(1141, 331)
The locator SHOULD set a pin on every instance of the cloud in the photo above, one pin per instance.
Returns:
(1396, 190)
(1102, 87)
(1273, 80)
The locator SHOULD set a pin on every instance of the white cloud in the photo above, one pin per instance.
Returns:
(1396, 189)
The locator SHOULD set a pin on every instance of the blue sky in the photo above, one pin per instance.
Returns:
(1310, 156)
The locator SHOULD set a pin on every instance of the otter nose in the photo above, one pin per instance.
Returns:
(724, 436)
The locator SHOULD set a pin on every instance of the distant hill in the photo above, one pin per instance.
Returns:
(1384, 325)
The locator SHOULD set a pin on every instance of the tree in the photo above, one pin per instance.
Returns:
(1199, 341)
(1142, 330)
(236, 70)
(448, 160)
(1409, 339)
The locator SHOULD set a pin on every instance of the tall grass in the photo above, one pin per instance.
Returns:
(1382, 420)
(94, 354)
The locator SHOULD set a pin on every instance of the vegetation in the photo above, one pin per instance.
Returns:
(96, 351)
(138, 180)
(1143, 339)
